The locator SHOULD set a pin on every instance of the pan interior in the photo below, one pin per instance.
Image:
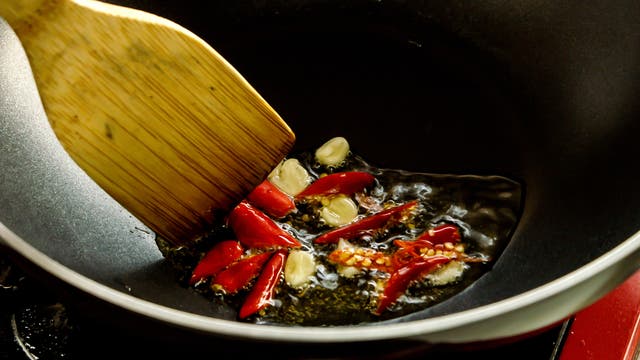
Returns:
(407, 95)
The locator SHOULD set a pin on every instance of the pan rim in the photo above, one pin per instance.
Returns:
(316, 334)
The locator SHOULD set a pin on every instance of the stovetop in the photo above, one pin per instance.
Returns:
(36, 324)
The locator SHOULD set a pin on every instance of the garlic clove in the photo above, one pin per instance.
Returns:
(290, 177)
(348, 271)
(448, 273)
(333, 152)
(339, 210)
(299, 268)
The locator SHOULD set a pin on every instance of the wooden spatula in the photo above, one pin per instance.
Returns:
(150, 111)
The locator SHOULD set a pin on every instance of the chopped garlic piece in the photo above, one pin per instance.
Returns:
(348, 271)
(290, 177)
(339, 210)
(344, 244)
(299, 268)
(333, 152)
(447, 274)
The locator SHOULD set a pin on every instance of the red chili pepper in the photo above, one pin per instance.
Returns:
(408, 251)
(218, 258)
(262, 292)
(441, 234)
(271, 200)
(430, 239)
(402, 278)
(413, 249)
(413, 244)
(256, 230)
(240, 273)
(346, 183)
(368, 225)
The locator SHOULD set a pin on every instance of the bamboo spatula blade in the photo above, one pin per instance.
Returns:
(149, 110)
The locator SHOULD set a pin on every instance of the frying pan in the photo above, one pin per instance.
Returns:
(542, 92)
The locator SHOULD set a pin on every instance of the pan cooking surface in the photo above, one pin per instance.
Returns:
(483, 211)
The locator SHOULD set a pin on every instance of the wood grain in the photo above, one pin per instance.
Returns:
(150, 111)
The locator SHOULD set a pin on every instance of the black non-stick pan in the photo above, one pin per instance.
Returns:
(542, 92)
